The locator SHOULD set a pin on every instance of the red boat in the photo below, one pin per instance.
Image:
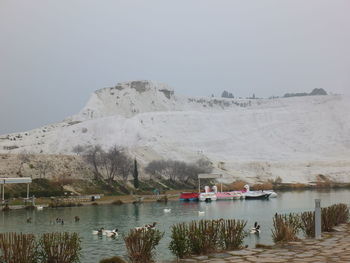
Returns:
(189, 196)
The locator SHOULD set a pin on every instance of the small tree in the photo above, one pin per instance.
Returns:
(44, 166)
(135, 174)
(24, 157)
(78, 149)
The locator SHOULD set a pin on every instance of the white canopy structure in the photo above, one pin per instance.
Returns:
(19, 180)
(208, 176)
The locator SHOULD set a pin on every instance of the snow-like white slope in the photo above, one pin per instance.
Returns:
(294, 138)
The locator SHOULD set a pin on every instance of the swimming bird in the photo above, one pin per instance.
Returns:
(29, 220)
(147, 227)
(113, 233)
(151, 226)
(98, 232)
(167, 210)
(76, 218)
(255, 229)
(201, 213)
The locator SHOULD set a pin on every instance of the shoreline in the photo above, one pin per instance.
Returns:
(332, 247)
(172, 195)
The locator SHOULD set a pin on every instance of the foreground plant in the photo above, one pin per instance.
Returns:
(333, 216)
(140, 244)
(232, 234)
(286, 227)
(18, 248)
(308, 223)
(179, 244)
(206, 236)
(60, 248)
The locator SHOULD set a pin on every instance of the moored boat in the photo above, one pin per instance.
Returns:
(257, 194)
(189, 196)
(228, 195)
(207, 197)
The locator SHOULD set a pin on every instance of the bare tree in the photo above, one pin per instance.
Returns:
(93, 157)
(43, 167)
(125, 166)
(23, 157)
(111, 164)
(177, 170)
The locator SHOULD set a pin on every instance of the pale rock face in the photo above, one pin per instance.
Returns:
(292, 138)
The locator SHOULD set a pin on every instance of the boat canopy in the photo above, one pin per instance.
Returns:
(208, 176)
(18, 180)
(21, 180)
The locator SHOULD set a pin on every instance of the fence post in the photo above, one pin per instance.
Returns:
(317, 218)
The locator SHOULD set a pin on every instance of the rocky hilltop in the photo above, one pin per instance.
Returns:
(296, 139)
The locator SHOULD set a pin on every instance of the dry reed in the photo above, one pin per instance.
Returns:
(140, 244)
(18, 248)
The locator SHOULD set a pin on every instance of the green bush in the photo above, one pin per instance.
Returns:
(179, 244)
(206, 236)
(232, 234)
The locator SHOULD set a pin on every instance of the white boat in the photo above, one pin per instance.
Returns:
(257, 194)
(207, 197)
(273, 194)
(39, 207)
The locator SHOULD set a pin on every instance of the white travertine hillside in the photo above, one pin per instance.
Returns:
(293, 138)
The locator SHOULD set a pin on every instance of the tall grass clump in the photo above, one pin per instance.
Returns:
(140, 244)
(308, 223)
(333, 216)
(286, 227)
(60, 248)
(232, 234)
(341, 213)
(18, 248)
(206, 236)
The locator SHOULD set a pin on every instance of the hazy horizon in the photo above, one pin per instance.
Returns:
(54, 54)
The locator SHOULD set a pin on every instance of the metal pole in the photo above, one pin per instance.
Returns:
(3, 192)
(317, 218)
(199, 185)
(27, 191)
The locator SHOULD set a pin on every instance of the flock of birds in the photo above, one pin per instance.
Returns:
(114, 232)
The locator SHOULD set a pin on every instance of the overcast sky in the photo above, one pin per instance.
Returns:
(53, 54)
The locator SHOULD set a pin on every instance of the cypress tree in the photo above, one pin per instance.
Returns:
(135, 174)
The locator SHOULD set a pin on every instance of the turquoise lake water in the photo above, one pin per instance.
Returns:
(129, 216)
